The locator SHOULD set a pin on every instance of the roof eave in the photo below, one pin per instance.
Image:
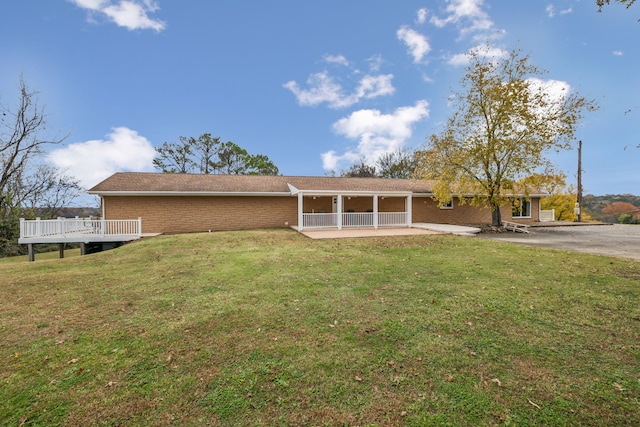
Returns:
(190, 193)
(354, 192)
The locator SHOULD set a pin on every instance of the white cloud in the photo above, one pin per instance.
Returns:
(92, 161)
(417, 43)
(336, 59)
(375, 132)
(90, 4)
(547, 99)
(618, 52)
(489, 52)
(375, 63)
(555, 91)
(131, 14)
(324, 89)
(422, 15)
(467, 14)
(551, 11)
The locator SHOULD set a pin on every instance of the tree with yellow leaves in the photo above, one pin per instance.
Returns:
(505, 121)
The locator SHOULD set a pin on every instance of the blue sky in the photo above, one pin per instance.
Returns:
(313, 85)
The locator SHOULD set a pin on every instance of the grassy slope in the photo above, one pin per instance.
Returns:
(270, 328)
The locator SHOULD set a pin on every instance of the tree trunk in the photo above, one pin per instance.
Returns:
(496, 216)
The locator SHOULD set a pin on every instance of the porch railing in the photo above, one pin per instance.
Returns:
(547, 216)
(357, 219)
(319, 220)
(354, 219)
(64, 227)
(386, 219)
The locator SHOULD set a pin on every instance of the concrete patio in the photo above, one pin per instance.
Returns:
(415, 229)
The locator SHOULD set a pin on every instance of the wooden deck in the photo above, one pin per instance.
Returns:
(77, 230)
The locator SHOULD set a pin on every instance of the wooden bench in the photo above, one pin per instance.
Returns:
(515, 227)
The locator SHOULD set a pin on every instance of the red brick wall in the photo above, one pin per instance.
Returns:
(425, 209)
(187, 214)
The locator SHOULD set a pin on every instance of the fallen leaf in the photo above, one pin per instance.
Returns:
(73, 361)
(534, 404)
(111, 383)
(357, 378)
(619, 387)
(497, 381)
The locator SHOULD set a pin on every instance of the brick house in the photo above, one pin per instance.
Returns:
(183, 203)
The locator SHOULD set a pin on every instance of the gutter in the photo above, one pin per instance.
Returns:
(189, 193)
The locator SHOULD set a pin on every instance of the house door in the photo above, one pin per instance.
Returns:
(334, 205)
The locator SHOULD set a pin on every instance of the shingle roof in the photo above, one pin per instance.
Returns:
(139, 182)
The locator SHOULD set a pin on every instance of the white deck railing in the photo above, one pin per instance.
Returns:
(354, 219)
(547, 216)
(63, 228)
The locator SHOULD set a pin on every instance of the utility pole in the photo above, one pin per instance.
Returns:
(579, 201)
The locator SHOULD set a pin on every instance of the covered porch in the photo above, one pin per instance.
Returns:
(353, 209)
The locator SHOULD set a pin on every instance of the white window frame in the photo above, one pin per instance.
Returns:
(448, 205)
(524, 201)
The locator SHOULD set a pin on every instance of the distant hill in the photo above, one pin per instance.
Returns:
(82, 212)
(595, 204)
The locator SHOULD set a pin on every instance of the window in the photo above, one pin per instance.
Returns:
(521, 208)
(446, 205)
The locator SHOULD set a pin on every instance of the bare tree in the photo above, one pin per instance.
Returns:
(396, 164)
(175, 157)
(47, 191)
(20, 142)
(208, 155)
(206, 150)
(360, 170)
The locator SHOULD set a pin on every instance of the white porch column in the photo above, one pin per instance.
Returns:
(375, 211)
(409, 209)
(300, 216)
(339, 212)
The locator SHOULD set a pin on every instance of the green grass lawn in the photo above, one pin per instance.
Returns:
(270, 328)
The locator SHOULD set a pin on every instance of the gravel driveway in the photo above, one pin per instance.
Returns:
(613, 240)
